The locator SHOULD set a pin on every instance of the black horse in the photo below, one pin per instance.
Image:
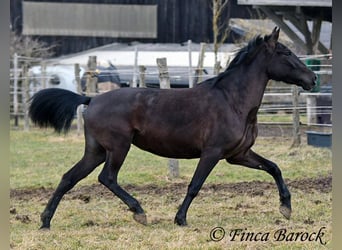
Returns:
(215, 120)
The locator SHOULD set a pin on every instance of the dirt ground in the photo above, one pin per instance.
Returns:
(253, 188)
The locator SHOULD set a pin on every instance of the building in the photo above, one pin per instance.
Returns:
(78, 25)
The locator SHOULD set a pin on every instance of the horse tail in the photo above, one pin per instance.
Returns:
(55, 108)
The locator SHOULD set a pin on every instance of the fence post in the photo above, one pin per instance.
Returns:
(164, 80)
(191, 84)
(311, 110)
(79, 90)
(142, 70)
(295, 117)
(199, 70)
(43, 67)
(91, 79)
(135, 68)
(15, 89)
(25, 98)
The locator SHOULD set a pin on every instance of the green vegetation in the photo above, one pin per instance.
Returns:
(281, 117)
(39, 158)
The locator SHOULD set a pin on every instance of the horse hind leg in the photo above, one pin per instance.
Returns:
(108, 177)
(94, 155)
(252, 160)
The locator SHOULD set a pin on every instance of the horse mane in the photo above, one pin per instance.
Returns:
(244, 55)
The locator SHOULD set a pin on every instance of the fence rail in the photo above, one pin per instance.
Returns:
(276, 109)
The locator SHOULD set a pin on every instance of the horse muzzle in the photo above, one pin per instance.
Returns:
(310, 84)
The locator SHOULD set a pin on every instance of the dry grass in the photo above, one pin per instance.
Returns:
(39, 159)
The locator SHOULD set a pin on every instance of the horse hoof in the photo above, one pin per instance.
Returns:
(140, 218)
(285, 211)
(180, 222)
(44, 228)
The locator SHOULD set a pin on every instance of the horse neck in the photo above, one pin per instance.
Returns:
(246, 84)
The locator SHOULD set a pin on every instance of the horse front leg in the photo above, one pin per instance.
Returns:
(206, 163)
(252, 160)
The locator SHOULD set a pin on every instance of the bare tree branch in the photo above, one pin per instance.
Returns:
(221, 27)
(29, 47)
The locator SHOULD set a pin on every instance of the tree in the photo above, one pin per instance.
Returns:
(27, 46)
(221, 26)
(24, 47)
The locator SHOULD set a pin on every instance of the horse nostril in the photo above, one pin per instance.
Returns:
(315, 79)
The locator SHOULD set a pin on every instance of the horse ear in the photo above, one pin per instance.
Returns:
(275, 34)
(272, 39)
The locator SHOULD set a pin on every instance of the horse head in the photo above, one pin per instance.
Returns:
(285, 66)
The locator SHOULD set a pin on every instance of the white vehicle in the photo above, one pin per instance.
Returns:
(56, 76)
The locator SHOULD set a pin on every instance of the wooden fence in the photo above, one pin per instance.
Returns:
(296, 103)
(299, 104)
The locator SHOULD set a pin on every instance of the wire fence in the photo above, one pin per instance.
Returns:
(277, 108)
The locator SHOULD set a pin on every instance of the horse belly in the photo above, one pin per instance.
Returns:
(166, 146)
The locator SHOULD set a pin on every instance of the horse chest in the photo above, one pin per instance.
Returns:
(245, 142)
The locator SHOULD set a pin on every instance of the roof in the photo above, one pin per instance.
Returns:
(258, 26)
(310, 3)
(124, 55)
